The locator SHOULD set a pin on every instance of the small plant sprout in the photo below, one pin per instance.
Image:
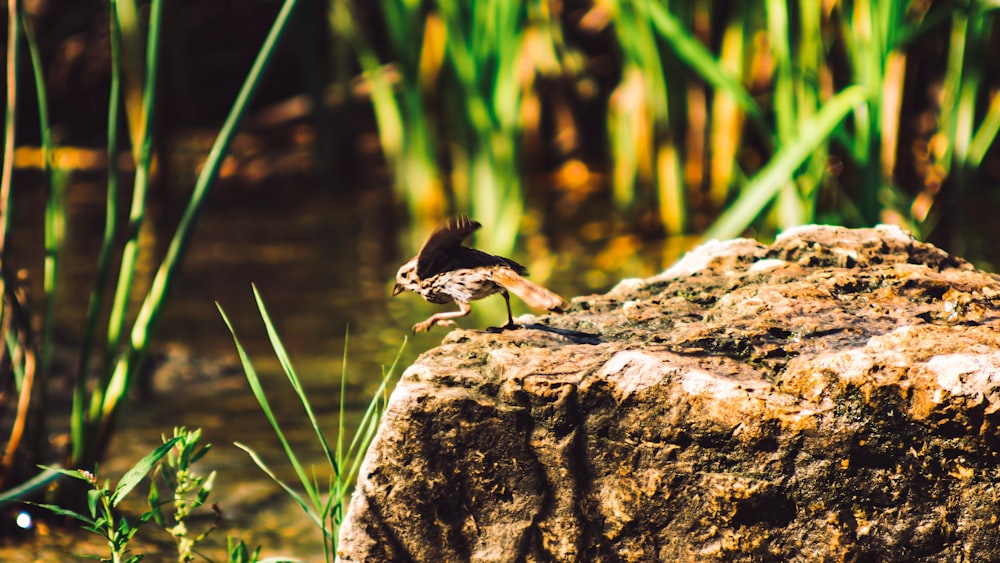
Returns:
(188, 490)
(102, 518)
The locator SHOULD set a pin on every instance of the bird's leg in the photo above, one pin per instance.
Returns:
(510, 317)
(443, 319)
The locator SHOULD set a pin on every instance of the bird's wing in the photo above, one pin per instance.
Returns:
(442, 244)
(443, 251)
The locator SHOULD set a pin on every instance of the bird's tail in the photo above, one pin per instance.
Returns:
(531, 293)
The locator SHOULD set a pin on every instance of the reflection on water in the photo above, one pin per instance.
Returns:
(323, 259)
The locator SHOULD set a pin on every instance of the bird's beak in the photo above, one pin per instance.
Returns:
(397, 289)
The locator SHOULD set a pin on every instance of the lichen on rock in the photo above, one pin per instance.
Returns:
(832, 396)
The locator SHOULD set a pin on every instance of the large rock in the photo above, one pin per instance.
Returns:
(831, 397)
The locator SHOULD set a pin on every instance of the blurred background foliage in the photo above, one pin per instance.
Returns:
(548, 120)
(688, 118)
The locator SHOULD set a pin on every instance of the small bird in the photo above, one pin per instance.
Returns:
(445, 271)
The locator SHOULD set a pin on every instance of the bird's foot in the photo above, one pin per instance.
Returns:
(429, 324)
(509, 326)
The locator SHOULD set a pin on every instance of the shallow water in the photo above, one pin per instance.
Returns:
(323, 261)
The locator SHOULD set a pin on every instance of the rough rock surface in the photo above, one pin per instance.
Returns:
(831, 397)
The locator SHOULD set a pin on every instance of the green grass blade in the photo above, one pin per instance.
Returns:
(153, 303)
(154, 300)
(766, 184)
(701, 61)
(291, 492)
(369, 422)
(114, 384)
(784, 101)
(293, 379)
(387, 111)
(130, 252)
(126, 13)
(96, 301)
(17, 368)
(10, 122)
(33, 485)
(363, 437)
(968, 96)
(258, 392)
(952, 83)
(326, 512)
(986, 135)
(726, 128)
(144, 147)
(340, 414)
(55, 211)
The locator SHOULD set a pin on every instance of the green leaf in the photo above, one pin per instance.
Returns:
(74, 473)
(205, 489)
(169, 474)
(201, 453)
(139, 471)
(93, 499)
(60, 511)
(149, 514)
(155, 504)
(36, 483)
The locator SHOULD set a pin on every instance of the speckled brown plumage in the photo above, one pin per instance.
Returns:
(444, 271)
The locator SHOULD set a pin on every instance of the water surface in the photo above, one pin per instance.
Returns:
(323, 258)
